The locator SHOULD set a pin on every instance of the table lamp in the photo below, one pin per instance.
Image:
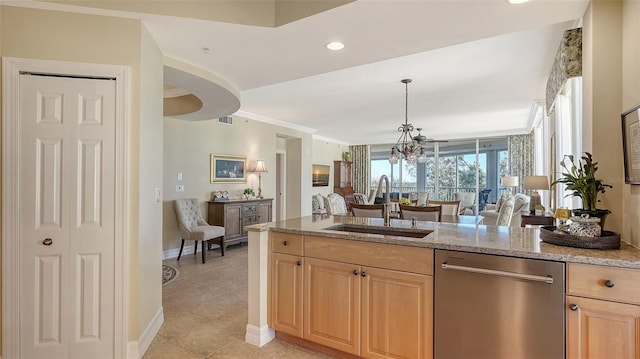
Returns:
(260, 169)
(508, 182)
(535, 183)
(561, 215)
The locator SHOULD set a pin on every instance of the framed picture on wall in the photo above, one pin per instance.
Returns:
(320, 175)
(229, 169)
(631, 145)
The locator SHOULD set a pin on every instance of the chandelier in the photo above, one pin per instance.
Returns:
(406, 145)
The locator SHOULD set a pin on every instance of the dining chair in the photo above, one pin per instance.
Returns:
(449, 208)
(193, 227)
(427, 213)
(368, 210)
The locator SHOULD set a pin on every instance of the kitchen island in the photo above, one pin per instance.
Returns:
(502, 241)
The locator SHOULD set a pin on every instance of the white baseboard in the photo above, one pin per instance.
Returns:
(173, 253)
(135, 350)
(259, 336)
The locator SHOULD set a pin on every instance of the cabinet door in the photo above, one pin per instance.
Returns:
(397, 319)
(264, 212)
(602, 329)
(233, 221)
(332, 304)
(286, 294)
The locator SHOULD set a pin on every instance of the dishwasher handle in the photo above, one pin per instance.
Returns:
(535, 278)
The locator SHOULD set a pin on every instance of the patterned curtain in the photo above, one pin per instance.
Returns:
(360, 168)
(521, 157)
(567, 64)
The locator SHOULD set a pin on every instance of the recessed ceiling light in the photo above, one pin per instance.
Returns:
(516, 2)
(335, 45)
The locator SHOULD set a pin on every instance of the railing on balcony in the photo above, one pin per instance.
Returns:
(444, 193)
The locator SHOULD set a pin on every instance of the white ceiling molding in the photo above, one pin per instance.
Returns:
(332, 140)
(175, 92)
(218, 97)
(253, 116)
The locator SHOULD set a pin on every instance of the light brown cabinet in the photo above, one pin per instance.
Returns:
(332, 304)
(367, 299)
(286, 299)
(285, 283)
(603, 312)
(234, 215)
(396, 314)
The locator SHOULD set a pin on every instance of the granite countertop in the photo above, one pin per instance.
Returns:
(507, 241)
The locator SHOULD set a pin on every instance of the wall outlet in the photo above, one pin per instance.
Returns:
(158, 199)
(180, 188)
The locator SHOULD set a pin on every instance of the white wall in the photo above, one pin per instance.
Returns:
(150, 212)
(602, 99)
(324, 153)
(187, 149)
(74, 37)
(630, 98)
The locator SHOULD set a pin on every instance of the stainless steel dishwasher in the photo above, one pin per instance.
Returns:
(489, 306)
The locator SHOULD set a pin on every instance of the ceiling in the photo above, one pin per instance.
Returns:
(478, 66)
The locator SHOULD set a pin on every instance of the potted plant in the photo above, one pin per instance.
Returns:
(248, 193)
(581, 181)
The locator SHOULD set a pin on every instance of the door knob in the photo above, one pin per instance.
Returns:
(364, 274)
(355, 272)
(573, 307)
(47, 241)
(609, 283)
(299, 263)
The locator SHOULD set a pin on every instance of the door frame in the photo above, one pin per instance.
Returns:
(281, 193)
(11, 69)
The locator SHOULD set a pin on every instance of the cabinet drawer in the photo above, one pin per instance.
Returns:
(286, 243)
(249, 220)
(249, 208)
(387, 256)
(611, 283)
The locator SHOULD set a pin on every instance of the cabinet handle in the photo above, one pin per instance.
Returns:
(574, 307)
(285, 243)
(299, 263)
(609, 283)
(364, 274)
(355, 272)
(47, 241)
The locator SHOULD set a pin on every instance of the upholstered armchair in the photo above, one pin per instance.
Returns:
(521, 205)
(194, 228)
(335, 204)
(467, 202)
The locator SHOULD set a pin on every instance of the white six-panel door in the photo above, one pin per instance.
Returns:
(67, 190)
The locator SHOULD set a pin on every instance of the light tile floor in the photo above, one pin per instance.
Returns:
(205, 312)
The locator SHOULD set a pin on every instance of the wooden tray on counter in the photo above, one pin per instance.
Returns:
(607, 240)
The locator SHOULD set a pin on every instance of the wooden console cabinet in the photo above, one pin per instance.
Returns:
(234, 215)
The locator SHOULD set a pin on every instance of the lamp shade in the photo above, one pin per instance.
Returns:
(509, 181)
(536, 182)
(260, 167)
(562, 213)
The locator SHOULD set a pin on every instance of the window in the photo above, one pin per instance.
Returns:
(451, 167)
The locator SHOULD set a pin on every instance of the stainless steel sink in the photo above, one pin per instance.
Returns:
(385, 231)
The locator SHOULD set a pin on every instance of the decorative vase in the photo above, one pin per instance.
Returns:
(599, 213)
(346, 156)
